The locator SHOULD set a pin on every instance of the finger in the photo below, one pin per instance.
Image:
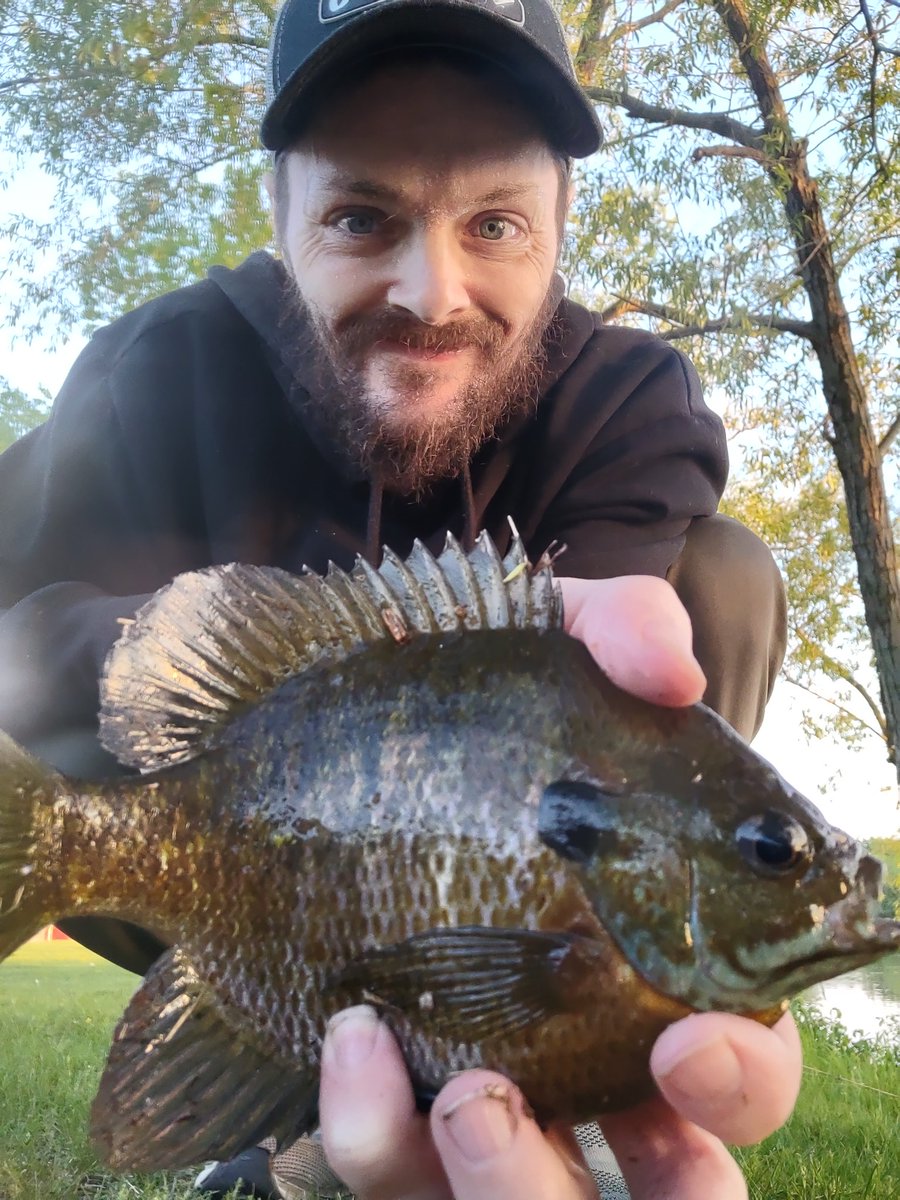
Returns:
(664, 1157)
(640, 634)
(733, 1076)
(373, 1137)
(492, 1149)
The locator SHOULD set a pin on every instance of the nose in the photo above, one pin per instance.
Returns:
(430, 279)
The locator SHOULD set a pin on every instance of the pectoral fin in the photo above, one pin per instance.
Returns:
(183, 1083)
(470, 982)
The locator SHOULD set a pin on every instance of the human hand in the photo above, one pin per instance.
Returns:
(639, 632)
(726, 1077)
(720, 1077)
(478, 1143)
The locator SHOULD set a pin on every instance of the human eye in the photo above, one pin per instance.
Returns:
(493, 228)
(359, 222)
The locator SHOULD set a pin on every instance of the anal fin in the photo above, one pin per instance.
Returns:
(181, 1085)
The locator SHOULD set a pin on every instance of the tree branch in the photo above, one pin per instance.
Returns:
(888, 439)
(618, 309)
(838, 669)
(878, 46)
(27, 81)
(587, 54)
(732, 152)
(758, 69)
(834, 704)
(763, 322)
(594, 41)
(714, 122)
(659, 15)
(232, 39)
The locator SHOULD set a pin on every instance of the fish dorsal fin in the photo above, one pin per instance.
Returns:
(215, 641)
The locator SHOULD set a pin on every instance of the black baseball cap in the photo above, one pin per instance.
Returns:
(313, 38)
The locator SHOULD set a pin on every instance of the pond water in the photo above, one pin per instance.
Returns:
(866, 1002)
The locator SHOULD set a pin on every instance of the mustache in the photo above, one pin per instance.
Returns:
(364, 331)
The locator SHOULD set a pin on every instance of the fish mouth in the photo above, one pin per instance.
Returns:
(854, 925)
(880, 936)
(854, 941)
(887, 930)
(845, 936)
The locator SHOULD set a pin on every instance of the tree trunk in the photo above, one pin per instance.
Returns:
(854, 443)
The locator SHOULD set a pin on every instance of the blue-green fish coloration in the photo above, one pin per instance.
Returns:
(410, 787)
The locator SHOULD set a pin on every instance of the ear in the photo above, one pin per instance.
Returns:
(269, 185)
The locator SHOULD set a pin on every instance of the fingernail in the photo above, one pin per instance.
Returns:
(482, 1123)
(352, 1035)
(710, 1072)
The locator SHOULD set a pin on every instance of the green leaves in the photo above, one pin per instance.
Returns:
(140, 114)
(19, 413)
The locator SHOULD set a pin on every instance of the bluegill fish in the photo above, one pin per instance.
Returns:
(410, 787)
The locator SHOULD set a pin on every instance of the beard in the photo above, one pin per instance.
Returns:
(394, 442)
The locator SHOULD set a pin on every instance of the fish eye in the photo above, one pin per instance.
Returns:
(773, 843)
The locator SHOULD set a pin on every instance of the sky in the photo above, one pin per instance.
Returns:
(856, 789)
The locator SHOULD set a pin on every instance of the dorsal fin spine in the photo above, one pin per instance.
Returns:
(215, 641)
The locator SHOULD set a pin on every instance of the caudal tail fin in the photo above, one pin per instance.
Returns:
(27, 789)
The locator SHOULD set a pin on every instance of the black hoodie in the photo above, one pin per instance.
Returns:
(176, 443)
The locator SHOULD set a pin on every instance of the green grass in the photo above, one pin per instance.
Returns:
(842, 1143)
(60, 1003)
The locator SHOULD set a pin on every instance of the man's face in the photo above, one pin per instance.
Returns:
(421, 233)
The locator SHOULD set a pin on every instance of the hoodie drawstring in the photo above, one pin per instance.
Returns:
(376, 500)
(373, 524)
(470, 523)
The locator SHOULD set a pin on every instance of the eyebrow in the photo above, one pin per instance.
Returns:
(372, 190)
(364, 187)
(498, 195)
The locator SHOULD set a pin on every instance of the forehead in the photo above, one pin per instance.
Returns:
(432, 124)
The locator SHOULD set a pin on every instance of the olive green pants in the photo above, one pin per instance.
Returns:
(729, 583)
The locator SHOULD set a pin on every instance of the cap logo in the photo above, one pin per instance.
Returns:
(337, 10)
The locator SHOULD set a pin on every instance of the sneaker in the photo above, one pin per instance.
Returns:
(249, 1170)
(301, 1172)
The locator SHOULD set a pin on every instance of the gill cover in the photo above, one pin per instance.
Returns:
(634, 874)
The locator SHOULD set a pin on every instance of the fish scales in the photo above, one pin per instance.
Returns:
(467, 826)
(387, 889)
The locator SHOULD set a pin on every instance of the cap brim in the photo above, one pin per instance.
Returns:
(565, 110)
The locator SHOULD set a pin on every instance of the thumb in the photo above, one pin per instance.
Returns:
(639, 632)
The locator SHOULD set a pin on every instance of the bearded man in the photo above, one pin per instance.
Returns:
(408, 365)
